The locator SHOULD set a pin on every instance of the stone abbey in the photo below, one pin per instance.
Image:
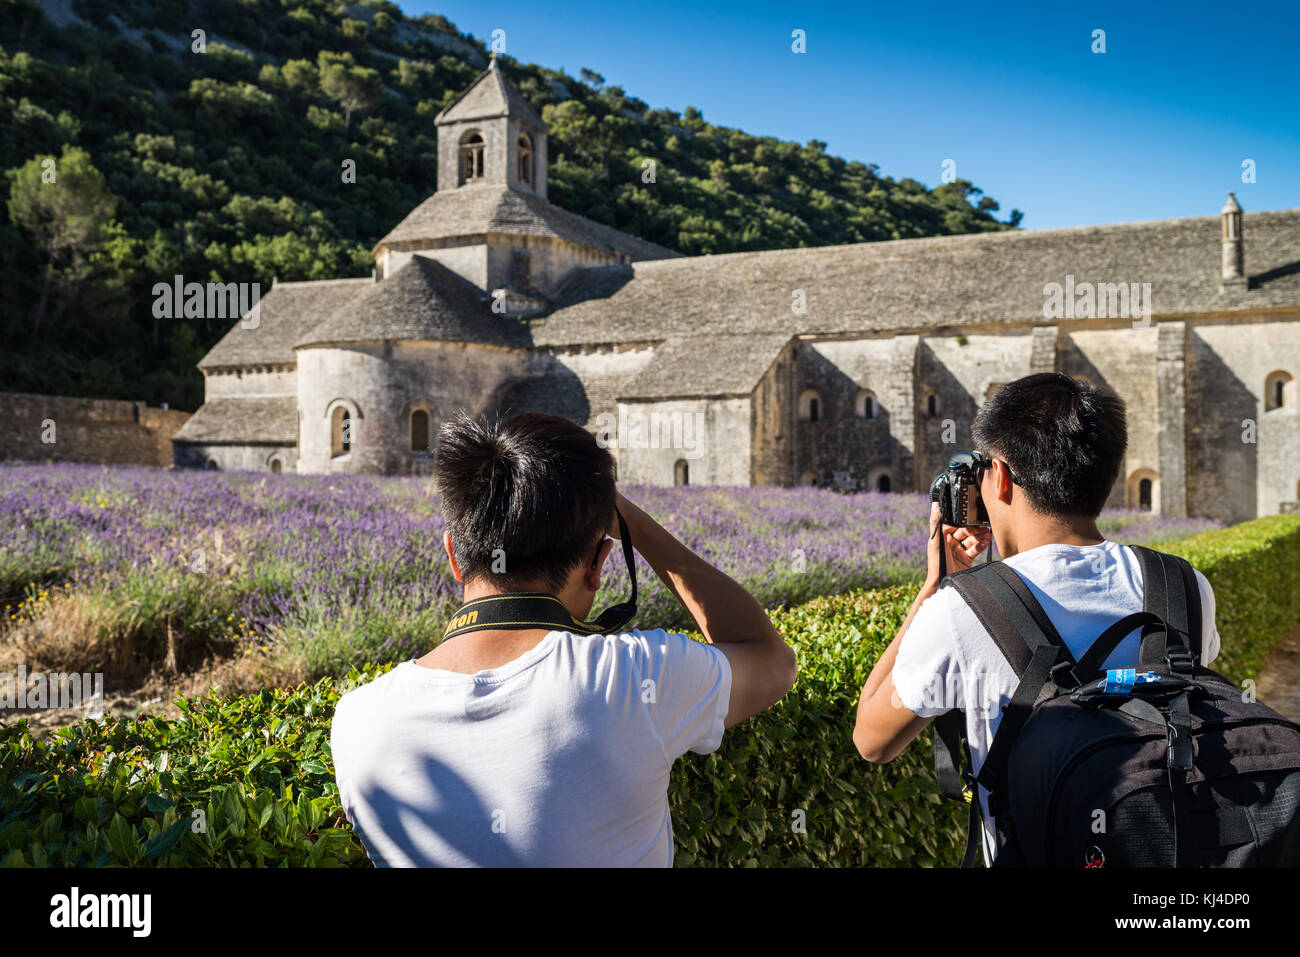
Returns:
(854, 367)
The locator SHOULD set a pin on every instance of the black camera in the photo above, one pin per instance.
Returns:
(958, 490)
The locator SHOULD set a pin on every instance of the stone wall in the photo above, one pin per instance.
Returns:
(102, 431)
(1200, 427)
(1125, 359)
(267, 381)
(1230, 477)
(236, 458)
(467, 260)
(961, 372)
(496, 137)
(591, 380)
(849, 441)
(549, 262)
(708, 437)
(772, 424)
(500, 153)
(380, 384)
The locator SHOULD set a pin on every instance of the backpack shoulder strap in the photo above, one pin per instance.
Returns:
(1008, 611)
(952, 771)
(1090, 661)
(1170, 590)
(1014, 620)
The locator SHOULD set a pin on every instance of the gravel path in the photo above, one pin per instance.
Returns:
(1279, 681)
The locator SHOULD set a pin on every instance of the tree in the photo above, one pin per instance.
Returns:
(350, 86)
(67, 208)
(301, 77)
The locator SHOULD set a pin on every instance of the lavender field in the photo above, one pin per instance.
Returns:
(129, 569)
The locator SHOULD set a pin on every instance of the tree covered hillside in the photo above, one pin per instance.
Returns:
(226, 165)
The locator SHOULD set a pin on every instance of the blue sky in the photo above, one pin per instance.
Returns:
(1156, 127)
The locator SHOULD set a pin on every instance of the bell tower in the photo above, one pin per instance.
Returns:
(490, 136)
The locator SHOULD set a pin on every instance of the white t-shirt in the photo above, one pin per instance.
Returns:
(947, 660)
(559, 758)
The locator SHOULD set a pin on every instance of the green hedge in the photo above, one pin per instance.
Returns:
(258, 768)
(786, 788)
(1254, 569)
(237, 780)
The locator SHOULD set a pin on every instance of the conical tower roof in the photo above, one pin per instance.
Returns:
(491, 95)
(423, 300)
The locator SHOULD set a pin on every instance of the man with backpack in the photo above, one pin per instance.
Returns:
(1069, 680)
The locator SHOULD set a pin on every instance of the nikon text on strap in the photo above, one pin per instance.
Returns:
(520, 610)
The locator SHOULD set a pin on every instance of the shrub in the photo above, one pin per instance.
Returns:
(737, 806)
(258, 766)
(1254, 569)
(236, 780)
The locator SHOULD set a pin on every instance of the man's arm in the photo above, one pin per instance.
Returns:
(763, 666)
(884, 727)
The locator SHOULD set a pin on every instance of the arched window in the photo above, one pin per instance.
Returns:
(525, 159)
(681, 472)
(277, 465)
(810, 406)
(471, 157)
(212, 465)
(1142, 491)
(880, 479)
(1279, 391)
(420, 430)
(931, 404)
(808, 478)
(340, 432)
(866, 405)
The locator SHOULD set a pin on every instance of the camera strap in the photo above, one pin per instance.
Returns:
(516, 611)
(943, 552)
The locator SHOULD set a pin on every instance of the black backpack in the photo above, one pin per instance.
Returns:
(1164, 765)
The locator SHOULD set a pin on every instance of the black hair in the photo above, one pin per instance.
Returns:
(1063, 438)
(536, 491)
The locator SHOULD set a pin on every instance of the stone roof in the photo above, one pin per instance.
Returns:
(556, 394)
(287, 311)
(422, 300)
(491, 95)
(705, 366)
(243, 420)
(482, 209)
(919, 284)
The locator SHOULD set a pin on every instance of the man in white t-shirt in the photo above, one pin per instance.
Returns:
(540, 746)
(1057, 445)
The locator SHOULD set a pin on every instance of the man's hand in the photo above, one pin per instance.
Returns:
(961, 545)
(763, 666)
(884, 727)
